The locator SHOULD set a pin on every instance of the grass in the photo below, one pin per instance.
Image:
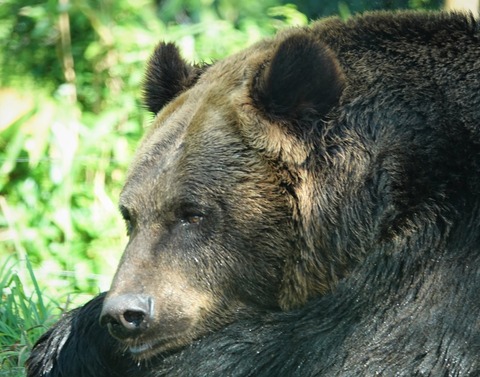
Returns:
(24, 314)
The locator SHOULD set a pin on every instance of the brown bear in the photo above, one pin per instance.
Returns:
(308, 206)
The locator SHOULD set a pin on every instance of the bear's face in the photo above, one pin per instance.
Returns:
(209, 202)
(200, 208)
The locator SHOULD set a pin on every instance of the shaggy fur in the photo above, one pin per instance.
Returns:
(307, 207)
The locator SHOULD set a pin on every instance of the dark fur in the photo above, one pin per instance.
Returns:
(303, 90)
(382, 176)
(167, 75)
(78, 346)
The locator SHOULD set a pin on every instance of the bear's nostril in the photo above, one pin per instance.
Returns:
(134, 318)
(127, 315)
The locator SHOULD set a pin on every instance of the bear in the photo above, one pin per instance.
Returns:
(309, 206)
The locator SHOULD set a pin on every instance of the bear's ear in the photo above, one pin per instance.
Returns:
(302, 78)
(167, 76)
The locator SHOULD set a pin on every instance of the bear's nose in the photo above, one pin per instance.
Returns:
(127, 315)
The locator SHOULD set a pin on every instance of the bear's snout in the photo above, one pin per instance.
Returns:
(127, 315)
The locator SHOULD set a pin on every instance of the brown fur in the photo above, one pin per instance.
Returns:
(211, 144)
(246, 147)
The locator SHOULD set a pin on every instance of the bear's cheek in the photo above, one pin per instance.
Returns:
(179, 311)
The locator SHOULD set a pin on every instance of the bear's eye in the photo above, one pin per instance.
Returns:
(129, 226)
(128, 220)
(191, 220)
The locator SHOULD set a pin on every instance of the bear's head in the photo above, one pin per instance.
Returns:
(233, 197)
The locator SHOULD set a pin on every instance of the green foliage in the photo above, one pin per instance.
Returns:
(24, 316)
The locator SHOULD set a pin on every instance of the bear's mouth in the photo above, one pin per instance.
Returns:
(137, 350)
(148, 349)
(143, 350)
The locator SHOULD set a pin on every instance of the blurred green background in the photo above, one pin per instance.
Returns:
(70, 117)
